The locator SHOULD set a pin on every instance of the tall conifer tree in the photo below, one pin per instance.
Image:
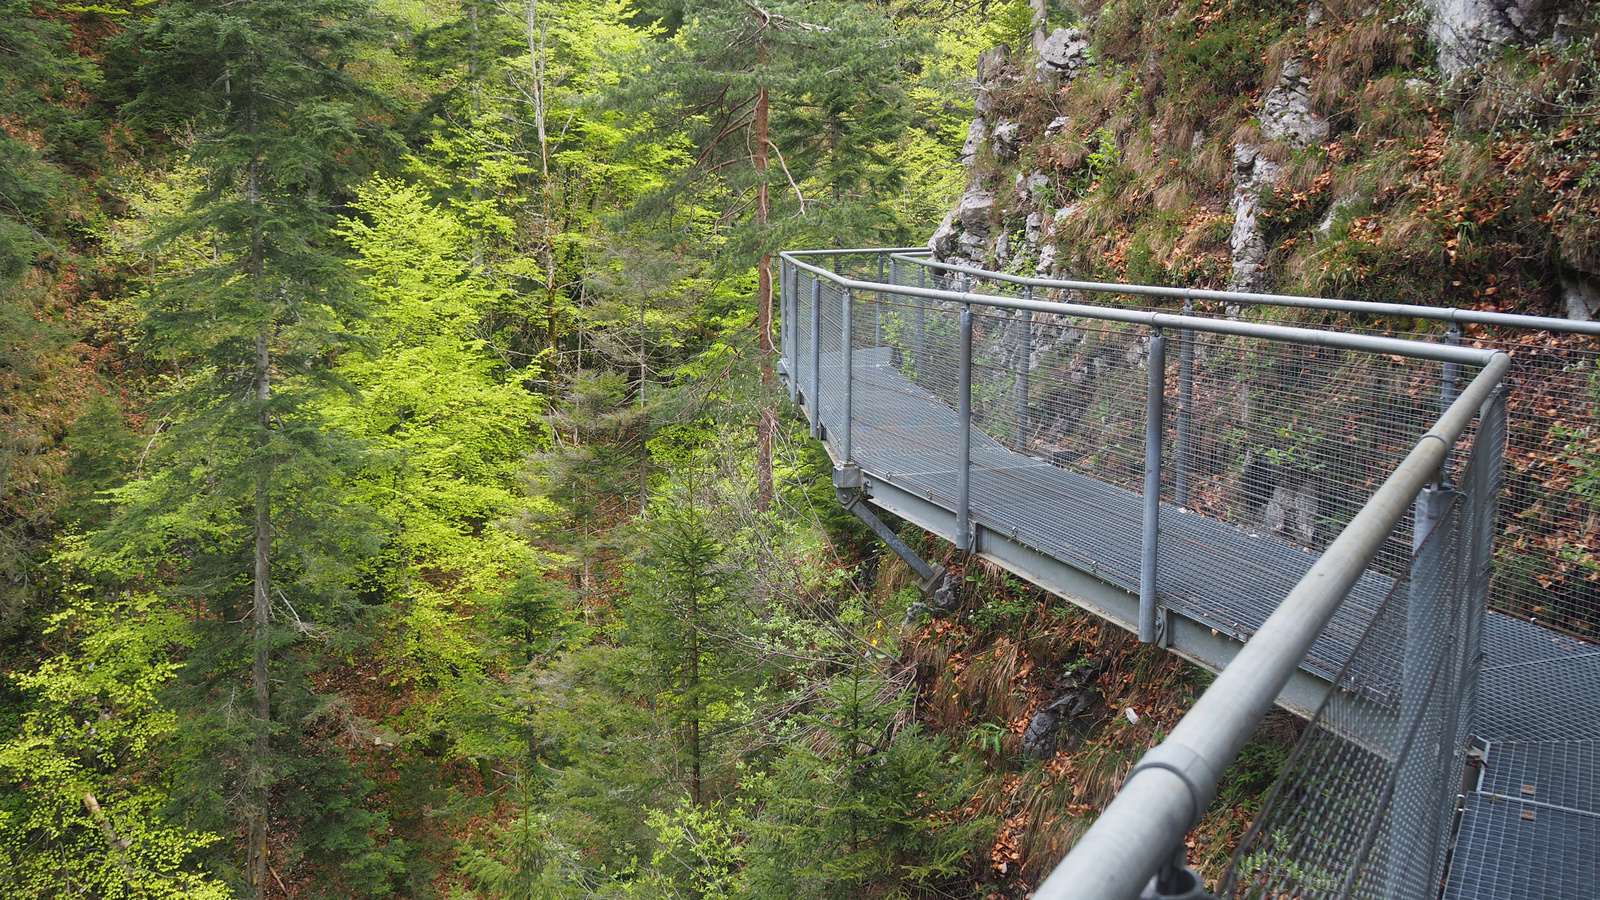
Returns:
(245, 487)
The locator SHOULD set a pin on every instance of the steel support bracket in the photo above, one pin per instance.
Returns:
(847, 477)
(929, 577)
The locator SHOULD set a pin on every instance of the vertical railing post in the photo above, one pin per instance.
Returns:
(919, 348)
(877, 308)
(1184, 450)
(964, 425)
(1449, 381)
(814, 399)
(786, 349)
(791, 324)
(1155, 397)
(1450, 378)
(847, 369)
(1024, 372)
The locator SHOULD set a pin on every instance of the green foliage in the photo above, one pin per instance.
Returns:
(447, 423)
(80, 806)
(1215, 60)
(698, 853)
(864, 807)
(995, 614)
(415, 392)
(684, 614)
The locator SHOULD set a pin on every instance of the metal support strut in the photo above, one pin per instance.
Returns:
(928, 576)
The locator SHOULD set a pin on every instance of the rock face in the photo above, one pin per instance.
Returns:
(971, 232)
(1471, 32)
(995, 75)
(1286, 110)
(1582, 294)
(964, 233)
(1252, 172)
(977, 133)
(1007, 140)
(941, 601)
(1076, 695)
(1285, 116)
(1063, 54)
(1284, 496)
(1292, 511)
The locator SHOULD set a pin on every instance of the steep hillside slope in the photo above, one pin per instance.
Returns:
(1444, 152)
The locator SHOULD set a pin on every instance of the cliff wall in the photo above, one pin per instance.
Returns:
(1444, 152)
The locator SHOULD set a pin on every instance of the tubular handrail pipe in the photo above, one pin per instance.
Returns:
(1450, 314)
(1165, 795)
(853, 251)
(1308, 336)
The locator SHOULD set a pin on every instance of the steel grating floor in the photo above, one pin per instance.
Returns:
(1538, 704)
(1532, 827)
(1227, 577)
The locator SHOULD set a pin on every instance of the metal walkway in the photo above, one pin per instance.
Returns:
(1527, 828)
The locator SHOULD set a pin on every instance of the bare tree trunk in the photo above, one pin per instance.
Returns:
(536, 62)
(1040, 23)
(260, 640)
(694, 698)
(765, 428)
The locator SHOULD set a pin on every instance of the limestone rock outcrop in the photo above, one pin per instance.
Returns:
(1063, 54)
(1286, 115)
(1469, 33)
(964, 234)
(1252, 173)
(1286, 110)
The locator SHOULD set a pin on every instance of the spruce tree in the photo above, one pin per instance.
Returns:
(684, 612)
(245, 485)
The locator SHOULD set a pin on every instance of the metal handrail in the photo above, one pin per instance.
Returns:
(1451, 315)
(1308, 336)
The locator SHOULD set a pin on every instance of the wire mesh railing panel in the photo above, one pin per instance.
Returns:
(1283, 438)
(1548, 556)
(1292, 439)
(830, 359)
(1364, 806)
(1071, 392)
(1548, 561)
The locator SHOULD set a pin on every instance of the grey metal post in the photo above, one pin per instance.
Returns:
(1450, 378)
(847, 368)
(814, 400)
(964, 441)
(919, 349)
(1155, 398)
(1423, 793)
(1024, 372)
(1184, 451)
(791, 323)
(877, 309)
